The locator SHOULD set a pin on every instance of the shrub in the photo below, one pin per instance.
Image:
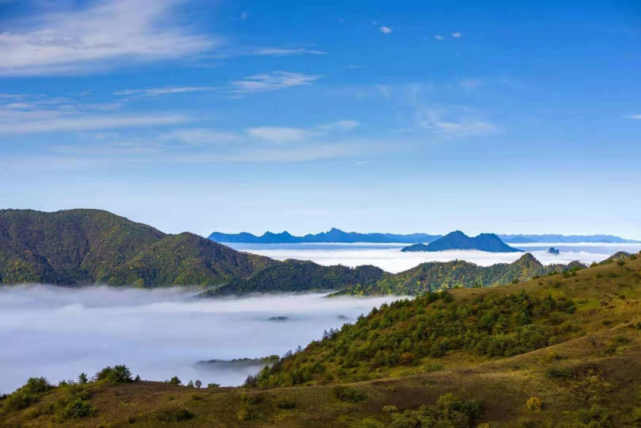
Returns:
(345, 393)
(36, 385)
(596, 417)
(18, 400)
(213, 385)
(174, 381)
(173, 414)
(534, 404)
(286, 403)
(390, 409)
(407, 359)
(556, 373)
(78, 409)
(117, 374)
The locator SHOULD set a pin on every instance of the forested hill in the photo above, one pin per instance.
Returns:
(459, 241)
(333, 236)
(300, 276)
(434, 276)
(80, 247)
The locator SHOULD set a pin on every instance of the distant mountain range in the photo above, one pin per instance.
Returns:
(333, 236)
(339, 236)
(563, 239)
(460, 241)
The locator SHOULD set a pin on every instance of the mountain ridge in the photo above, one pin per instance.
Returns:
(457, 240)
(84, 247)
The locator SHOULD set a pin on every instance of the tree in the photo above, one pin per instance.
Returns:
(198, 384)
(82, 379)
(174, 381)
(190, 384)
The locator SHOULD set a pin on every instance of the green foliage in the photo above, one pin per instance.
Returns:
(213, 385)
(449, 412)
(596, 417)
(345, 393)
(117, 374)
(436, 276)
(173, 415)
(431, 325)
(78, 409)
(175, 381)
(296, 275)
(77, 247)
(26, 395)
(36, 385)
(83, 379)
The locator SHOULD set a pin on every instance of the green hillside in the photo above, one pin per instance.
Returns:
(80, 247)
(560, 351)
(299, 276)
(435, 276)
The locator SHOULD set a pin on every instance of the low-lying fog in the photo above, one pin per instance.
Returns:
(390, 258)
(60, 332)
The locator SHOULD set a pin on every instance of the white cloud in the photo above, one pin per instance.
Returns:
(201, 136)
(435, 122)
(271, 82)
(105, 35)
(164, 91)
(456, 35)
(293, 135)
(280, 135)
(341, 125)
(84, 123)
(386, 30)
(286, 51)
(635, 117)
(438, 37)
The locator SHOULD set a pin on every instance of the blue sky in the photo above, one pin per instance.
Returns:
(411, 116)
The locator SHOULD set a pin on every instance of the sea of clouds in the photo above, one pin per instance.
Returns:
(390, 258)
(60, 332)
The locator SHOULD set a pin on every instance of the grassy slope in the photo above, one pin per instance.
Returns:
(604, 367)
(78, 247)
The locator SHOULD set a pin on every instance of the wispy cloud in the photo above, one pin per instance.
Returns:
(635, 117)
(386, 30)
(271, 82)
(456, 35)
(449, 124)
(287, 52)
(280, 135)
(37, 115)
(86, 123)
(293, 135)
(105, 35)
(438, 37)
(340, 125)
(201, 136)
(152, 92)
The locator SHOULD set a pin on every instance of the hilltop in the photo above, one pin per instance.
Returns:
(82, 247)
(561, 351)
(488, 242)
